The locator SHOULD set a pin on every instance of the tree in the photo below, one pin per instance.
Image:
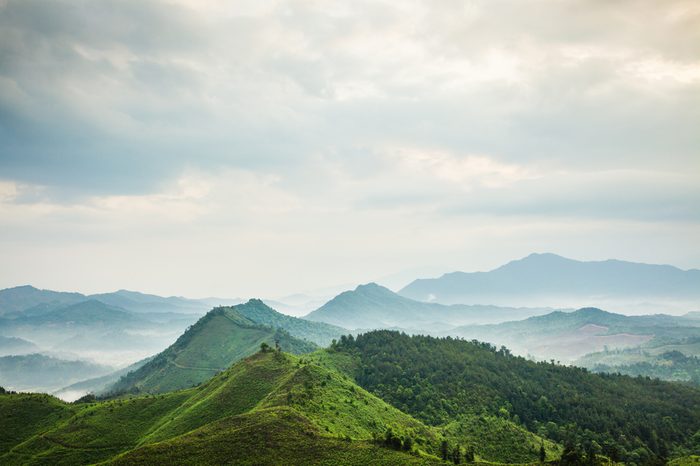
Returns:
(445, 449)
(543, 453)
(264, 347)
(469, 454)
(457, 455)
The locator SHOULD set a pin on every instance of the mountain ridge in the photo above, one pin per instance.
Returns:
(374, 306)
(535, 277)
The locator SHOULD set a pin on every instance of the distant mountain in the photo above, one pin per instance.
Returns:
(14, 345)
(548, 279)
(83, 313)
(28, 299)
(569, 335)
(141, 302)
(673, 365)
(373, 306)
(24, 297)
(40, 373)
(101, 332)
(96, 385)
(223, 336)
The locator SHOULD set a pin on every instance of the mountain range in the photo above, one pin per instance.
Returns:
(552, 280)
(373, 306)
(567, 336)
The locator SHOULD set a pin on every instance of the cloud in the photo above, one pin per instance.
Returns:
(333, 128)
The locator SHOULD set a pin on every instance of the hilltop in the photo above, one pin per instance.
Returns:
(224, 335)
(317, 332)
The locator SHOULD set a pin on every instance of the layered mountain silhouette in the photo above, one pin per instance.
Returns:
(570, 335)
(549, 279)
(374, 306)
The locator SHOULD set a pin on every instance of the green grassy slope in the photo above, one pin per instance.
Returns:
(271, 408)
(217, 340)
(270, 436)
(24, 415)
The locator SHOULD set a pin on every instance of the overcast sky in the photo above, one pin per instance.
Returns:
(265, 147)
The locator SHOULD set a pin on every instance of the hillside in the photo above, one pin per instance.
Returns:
(663, 362)
(217, 340)
(271, 408)
(16, 346)
(567, 336)
(440, 380)
(373, 306)
(548, 279)
(317, 332)
(37, 372)
(96, 385)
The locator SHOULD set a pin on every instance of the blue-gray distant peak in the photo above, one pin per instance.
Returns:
(548, 275)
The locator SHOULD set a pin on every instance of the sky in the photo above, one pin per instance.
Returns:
(261, 148)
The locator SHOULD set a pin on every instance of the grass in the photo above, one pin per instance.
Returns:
(216, 341)
(276, 436)
(271, 408)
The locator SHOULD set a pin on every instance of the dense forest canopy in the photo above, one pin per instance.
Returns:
(635, 420)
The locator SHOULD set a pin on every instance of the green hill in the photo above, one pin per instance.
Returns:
(438, 380)
(271, 408)
(220, 338)
(318, 332)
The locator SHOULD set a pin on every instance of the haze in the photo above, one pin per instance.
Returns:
(271, 147)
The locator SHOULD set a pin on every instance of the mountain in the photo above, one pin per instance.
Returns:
(14, 345)
(646, 362)
(567, 336)
(271, 408)
(40, 373)
(373, 306)
(440, 380)
(551, 280)
(84, 313)
(20, 298)
(317, 332)
(224, 335)
(141, 302)
(95, 330)
(96, 385)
